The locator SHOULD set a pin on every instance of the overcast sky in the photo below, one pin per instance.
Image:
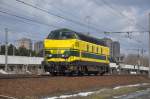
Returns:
(104, 15)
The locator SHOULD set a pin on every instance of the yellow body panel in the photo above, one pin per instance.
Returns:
(59, 43)
(101, 49)
(59, 47)
(105, 51)
(70, 59)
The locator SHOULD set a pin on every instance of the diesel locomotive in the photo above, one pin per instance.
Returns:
(71, 53)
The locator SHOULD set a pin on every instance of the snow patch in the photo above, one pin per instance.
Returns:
(74, 95)
(82, 94)
(134, 95)
(119, 96)
(3, 72)
(134, 85)
(8, 97)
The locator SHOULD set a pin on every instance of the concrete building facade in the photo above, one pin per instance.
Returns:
(24, 42)
(114, 47)
(108, 43)
(38, 46)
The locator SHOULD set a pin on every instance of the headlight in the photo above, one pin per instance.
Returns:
(64, 56)
(50, 55)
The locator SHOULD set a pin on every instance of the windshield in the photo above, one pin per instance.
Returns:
(62, 35)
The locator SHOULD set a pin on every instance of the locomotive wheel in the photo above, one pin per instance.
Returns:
(53, 74)
(79, 73)
(96, 74)
(69, 73)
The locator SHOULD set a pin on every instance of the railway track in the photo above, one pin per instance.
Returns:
(22, 76)
(29, 85)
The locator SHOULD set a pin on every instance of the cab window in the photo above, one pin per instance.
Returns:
(61, 35)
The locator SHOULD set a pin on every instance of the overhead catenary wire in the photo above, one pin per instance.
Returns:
(58, 27)
(113, 32)
(61, 9)
(15, 7)
(126, 32)
(24, 34)
(53, 25)
(125, 36)
(71, 14)
(120, 13)
(35, 21)
(63, 18)
(59, 16)
(19, 34)
(20, 17)
(18, 20)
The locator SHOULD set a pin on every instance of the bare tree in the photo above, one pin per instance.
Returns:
(133, 60)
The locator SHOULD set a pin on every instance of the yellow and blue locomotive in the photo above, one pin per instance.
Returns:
(69, 52)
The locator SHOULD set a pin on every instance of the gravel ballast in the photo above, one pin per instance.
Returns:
(58, 85)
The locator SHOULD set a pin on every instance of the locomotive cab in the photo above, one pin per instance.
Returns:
(59, 46)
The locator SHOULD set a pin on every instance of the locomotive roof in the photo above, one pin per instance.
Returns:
(83, 37)
(91, 39)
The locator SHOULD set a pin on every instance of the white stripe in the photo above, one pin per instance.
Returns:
(7, 97)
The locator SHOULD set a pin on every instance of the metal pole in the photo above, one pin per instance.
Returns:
(139, 63)
(6, 49)
(14, 49)
(43, 52)
(0, 47)
(142, 58)
(88, 23)
(43, 49)
(149, 46)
